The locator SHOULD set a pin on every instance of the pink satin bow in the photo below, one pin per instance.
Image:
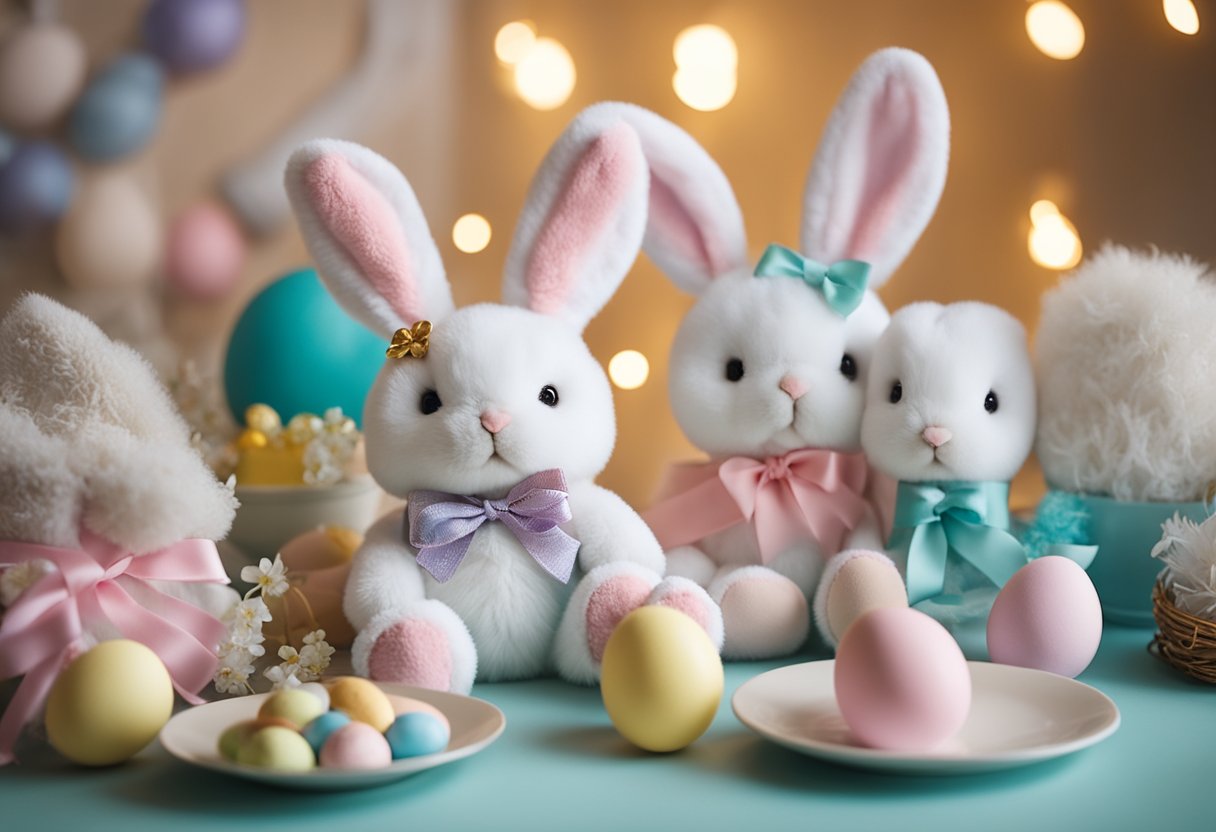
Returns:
(42, 630)
(806, 492)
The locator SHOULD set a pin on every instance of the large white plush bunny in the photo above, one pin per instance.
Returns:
(950, 412)
(768, 368)
(492, 422)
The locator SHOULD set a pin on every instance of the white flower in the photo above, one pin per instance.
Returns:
(245, 620)
(269, 577)
(314, 656)
(233, 652)
(283, 676)
(18, 578)
(232, 676)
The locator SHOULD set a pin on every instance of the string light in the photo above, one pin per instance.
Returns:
(707, 63)
(471, 233)
(1182, 15)
(513, 41)
(1055, 29)
(628, 369)
(1053, 242)
(545, 76)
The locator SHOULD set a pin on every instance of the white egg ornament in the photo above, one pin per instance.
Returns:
(902, 683)
(661, 679)
(109, 703)
(1047, 617)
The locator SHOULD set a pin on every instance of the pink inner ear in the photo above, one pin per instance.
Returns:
(366, 226)
(580, 217)
(673, 224)
(891, 136)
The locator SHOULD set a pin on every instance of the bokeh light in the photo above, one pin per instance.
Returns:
(1053, 242)
(628, 369)
(1055, 29)
(513, 41)
(707, 63)
(1182, 15)
(471, 233)
(545, 76)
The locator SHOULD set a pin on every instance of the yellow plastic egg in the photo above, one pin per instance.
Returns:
(361, 700)
(109, 703)
(661, 679)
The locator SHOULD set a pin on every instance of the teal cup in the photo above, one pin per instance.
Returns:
(1123, 571)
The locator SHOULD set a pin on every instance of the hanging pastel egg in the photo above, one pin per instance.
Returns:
(111, 235)
(36, 186)
(204, 252)
(42, 68)
(193, 35)
(294, 349)
(119, 110)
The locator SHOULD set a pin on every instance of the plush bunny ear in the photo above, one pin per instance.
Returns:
(582, 224)
(694, 230)
(365, 230)
(881, 166)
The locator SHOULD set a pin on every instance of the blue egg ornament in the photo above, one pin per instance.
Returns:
(36, 184)
(296, 350)
(318, 731)
(416, 733)
(193, 35)
(119, 110)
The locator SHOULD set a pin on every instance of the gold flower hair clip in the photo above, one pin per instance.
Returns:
(411, 343)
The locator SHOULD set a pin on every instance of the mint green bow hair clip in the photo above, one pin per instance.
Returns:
(842, 284)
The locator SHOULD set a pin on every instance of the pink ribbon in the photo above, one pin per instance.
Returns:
(43, 629)
(806, 492)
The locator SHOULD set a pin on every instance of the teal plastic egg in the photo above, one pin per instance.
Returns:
(318, 731)
(415, 734)
(296, 350)
(119, 110)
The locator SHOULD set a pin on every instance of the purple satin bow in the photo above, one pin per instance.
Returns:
(442, 525)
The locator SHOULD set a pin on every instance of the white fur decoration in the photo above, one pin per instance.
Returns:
(500, 616)
(1125, 358)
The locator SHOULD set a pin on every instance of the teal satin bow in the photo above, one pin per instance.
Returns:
(970, 519)
(842, 284)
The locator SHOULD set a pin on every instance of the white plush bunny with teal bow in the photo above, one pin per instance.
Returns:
(492, 420)
(769, 366)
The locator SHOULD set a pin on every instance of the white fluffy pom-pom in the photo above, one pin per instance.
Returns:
(1125, 361)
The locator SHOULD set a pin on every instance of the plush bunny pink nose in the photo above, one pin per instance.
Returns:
(936, 436)
(794, 386)
(495, 420)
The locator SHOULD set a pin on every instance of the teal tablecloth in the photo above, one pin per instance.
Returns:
(560, 766)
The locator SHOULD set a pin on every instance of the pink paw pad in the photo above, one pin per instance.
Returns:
(412, 652)
(609, 603)
(691, 604)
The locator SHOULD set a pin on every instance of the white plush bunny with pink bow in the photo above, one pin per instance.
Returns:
(492, 420)
(768, 368)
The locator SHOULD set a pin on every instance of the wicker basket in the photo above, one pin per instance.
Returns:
(1186, 642)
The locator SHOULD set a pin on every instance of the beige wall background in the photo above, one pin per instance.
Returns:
(1123, 138)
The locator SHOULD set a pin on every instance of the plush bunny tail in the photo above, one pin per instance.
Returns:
(881, 165)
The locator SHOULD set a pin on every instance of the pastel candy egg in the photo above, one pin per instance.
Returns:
(42, 67)
(318, 690)
(417, 733)
(235, 735)
(36, 184)
(119, 110)
(901, 681)
(277, 748)
(204, 252)
(662, 679)
(362, 701)
(296, 706)
(406, 705)
(356, 746)
(109, 703)
(1047, 617)
(318, 731)
(110, 237)
(193, 35)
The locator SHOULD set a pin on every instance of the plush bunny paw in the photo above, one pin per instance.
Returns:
(427, 646)
(854, 583)
(689, 598)
(764, 614)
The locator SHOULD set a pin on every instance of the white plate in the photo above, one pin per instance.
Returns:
(193, 736)
(1018, 716)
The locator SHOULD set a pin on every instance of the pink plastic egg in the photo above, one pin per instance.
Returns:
(901, 680)
(205, 252)
(1047, 617)
(356, 745)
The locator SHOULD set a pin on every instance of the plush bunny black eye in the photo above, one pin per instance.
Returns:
(429, 402)
(548, 395)
(897, 392)
(734, 369)
(848, 367)
(990, 402)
